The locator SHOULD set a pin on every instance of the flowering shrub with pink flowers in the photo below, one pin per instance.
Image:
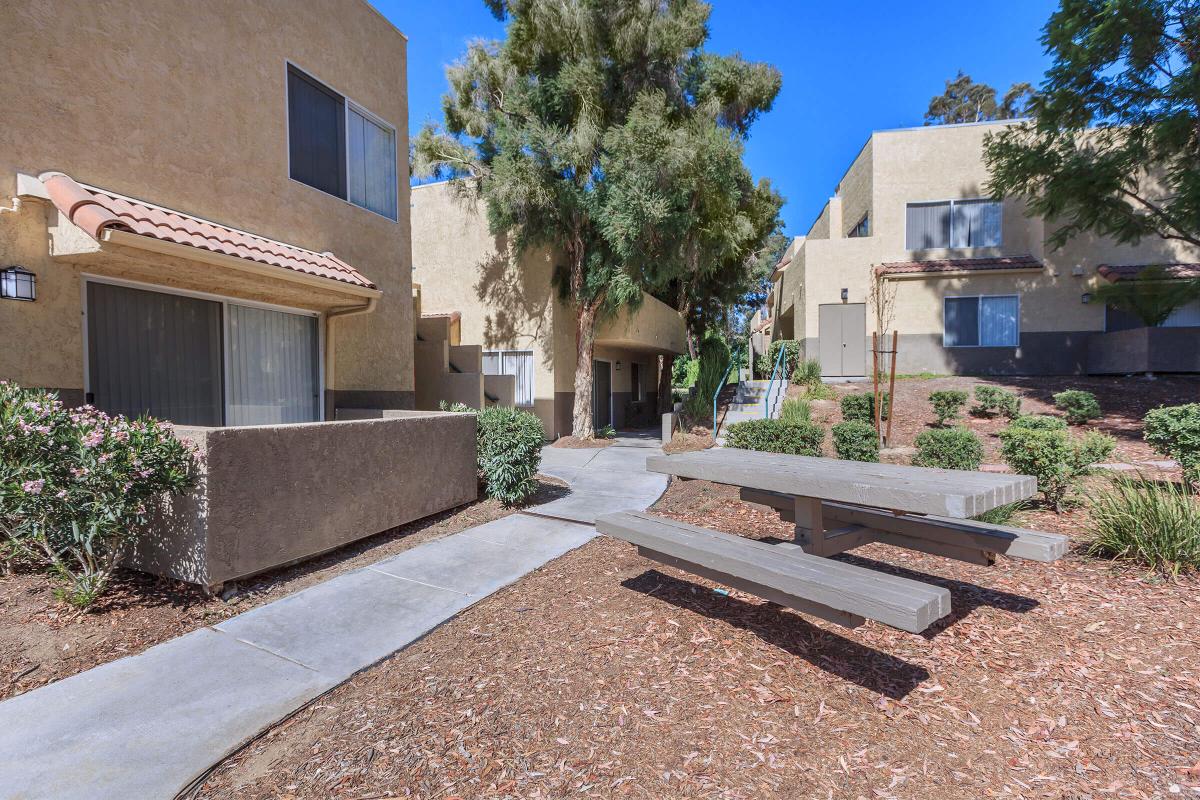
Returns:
(76, 485)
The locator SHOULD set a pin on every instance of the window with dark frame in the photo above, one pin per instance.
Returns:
(863, 228)
(339, 148)
(983, 321)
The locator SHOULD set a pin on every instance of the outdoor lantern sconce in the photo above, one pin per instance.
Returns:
(845, 295)
(18, 283)
(1085, 298)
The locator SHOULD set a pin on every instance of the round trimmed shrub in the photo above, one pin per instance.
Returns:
(1053, 457)
(509, 452)
(855, 441)
(1174, 432)
(1038, 422)
(947, 404)
(949, 448)
(992, 400)
(1078, 405)
(773, 436)
(861, 407)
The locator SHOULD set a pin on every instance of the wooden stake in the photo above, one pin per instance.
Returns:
(875, 404)
(892, 384)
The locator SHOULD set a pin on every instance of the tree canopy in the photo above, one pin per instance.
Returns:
(1114, 144)
(967, 101)
(603, 129)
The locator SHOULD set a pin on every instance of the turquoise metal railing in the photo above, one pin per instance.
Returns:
(720, 386)
(771, 385)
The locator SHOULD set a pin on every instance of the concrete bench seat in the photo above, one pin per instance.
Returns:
(954, 538)
(841, 593)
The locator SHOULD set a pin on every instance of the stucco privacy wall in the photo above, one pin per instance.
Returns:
(509, 303)
(941, 163)
(273, 494)
(184, 105)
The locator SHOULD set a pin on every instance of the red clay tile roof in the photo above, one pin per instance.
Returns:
(96, 210)
(959, 265)
(1128, 271)
(453, 315)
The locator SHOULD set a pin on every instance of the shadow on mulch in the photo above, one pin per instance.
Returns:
(964, 597)
(871, 669)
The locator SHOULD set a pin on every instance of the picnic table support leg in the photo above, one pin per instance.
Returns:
(810, 525)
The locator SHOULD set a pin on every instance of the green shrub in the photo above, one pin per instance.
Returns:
(508, 446)
(1039, 422)
(947, 404)
(794, 411)
(861, 407)
(77, 486)
(773, 436)
(790, 358)
(1174, 431)
(819, 391)
(1001, 515)
(1053, 457)
(1078, 405)
(684, 371)
(855, 441)
(992, 400)
(607, 432)
(713, 361)
(457, 408)
(948, 448)
(808, 373)
(1156, 524)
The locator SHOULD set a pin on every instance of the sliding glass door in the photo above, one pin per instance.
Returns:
(197, 361)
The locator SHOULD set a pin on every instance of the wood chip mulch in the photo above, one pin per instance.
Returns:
(575, 443)
(606, 675)
(43, 640)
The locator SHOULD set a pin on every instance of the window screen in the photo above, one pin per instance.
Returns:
(372, 165)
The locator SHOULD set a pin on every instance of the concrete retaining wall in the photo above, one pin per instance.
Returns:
(1144, 350)
(274, 494)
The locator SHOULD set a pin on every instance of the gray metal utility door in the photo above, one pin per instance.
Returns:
(154, 353)
(601, 394)
(843, 339)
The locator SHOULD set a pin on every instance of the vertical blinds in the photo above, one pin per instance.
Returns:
(982, 321)
(272, 367)
(372, 165)
(519, 364)
(953, 223)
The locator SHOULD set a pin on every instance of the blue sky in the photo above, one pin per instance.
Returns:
(848, 68)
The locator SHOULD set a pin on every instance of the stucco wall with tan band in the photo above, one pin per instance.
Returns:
(184, 105)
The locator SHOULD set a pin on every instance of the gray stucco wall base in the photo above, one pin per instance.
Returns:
(272, 495)
(1144, 350)
(1063, 353)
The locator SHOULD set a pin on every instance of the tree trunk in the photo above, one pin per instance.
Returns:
(665, 401)
(585, 340)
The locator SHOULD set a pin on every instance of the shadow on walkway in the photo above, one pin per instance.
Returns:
(871, 669)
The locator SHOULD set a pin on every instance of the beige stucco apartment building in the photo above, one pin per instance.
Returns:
(212, 201)
(976, 288)
(507, 306)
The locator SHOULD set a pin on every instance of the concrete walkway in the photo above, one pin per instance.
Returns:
(150, 725)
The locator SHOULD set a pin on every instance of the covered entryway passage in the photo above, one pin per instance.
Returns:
(843, 339)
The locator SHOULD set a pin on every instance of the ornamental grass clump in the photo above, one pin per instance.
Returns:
(1053, 457)
(808, 373)
(1078, 405)
(774, 436)
(1174, 431)
(947, 404)
(77, 486)
(1152, 523)
(509, 451)
(795, 411)
(855, 441)
(948, 448)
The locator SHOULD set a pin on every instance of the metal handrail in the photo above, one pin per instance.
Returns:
(736, 355)
(771, 385)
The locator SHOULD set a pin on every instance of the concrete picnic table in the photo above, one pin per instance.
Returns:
(837, 506)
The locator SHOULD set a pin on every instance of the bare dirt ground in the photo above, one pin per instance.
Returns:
(1123, 401)
(606, 675)
(43, 640)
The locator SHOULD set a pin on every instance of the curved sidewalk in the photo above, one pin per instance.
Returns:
(152, 725)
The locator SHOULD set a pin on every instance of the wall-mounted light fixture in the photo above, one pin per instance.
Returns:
(1085, 298)
(18, 283)
(618, 366)
(845, 295)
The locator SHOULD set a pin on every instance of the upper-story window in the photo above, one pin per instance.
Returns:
(339, 147)
(863, 228)
(953, 224)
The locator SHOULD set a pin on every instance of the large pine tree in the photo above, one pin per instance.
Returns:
(579, 132)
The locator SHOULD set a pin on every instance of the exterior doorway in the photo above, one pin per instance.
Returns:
(843, 339)
(601, 394)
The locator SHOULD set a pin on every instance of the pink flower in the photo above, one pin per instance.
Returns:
(33, 487)
(94, 437)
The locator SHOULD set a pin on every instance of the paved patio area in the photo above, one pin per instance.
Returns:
(149, 725)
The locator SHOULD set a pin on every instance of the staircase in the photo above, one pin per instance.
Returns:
(448, 371)
(750, 402)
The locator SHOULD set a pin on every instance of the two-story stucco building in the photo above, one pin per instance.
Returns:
(505, 304)
(976, 288)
